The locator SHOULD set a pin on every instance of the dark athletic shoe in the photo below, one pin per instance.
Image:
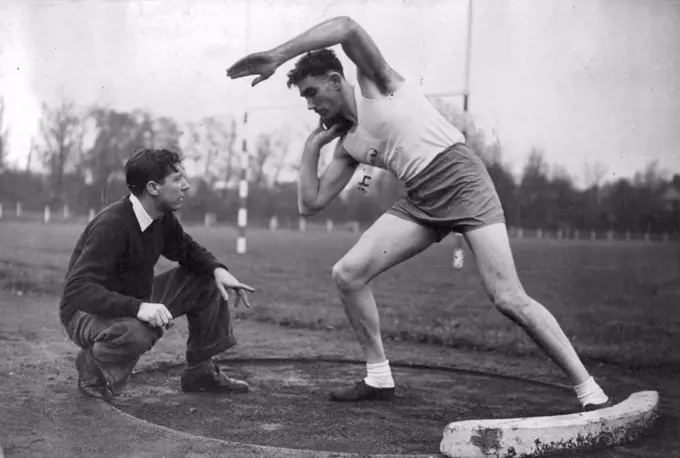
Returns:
(592, 407)
(90, 379)
(209, 379)
(362, 392)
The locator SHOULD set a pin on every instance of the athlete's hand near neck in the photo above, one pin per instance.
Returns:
(321, 136)
(315, 193)
(355, 41)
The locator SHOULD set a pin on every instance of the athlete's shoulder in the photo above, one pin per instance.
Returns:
(382, 84)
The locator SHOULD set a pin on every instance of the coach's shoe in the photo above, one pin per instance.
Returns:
(209, 379)
(90, 379)
(362, 392)
(604, 405)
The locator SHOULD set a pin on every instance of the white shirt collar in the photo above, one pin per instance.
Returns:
(142, 215)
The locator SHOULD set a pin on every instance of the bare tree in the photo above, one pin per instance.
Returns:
(211, 149)
(165, 133)
(114, 136)
(652, 177)
(270, 158)
(263, 150)
(62, 133)
(284, 163)
(475, 138)
(593, 173)
(3, 135)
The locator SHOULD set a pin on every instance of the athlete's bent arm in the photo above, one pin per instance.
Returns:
(315, 193)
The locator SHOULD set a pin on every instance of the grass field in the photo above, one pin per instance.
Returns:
(617, 301)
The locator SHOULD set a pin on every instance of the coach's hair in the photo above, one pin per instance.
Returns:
(148, 164)
(314, 63)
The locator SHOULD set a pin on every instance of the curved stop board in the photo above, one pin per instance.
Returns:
(530, 437)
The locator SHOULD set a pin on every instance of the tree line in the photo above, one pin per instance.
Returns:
(82, 153)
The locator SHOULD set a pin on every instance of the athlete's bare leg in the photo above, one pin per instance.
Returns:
(390, 241)
(491, 248)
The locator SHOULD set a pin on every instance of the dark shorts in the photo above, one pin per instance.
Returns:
(454, 193)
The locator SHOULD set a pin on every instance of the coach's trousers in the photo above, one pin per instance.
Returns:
(116, 344)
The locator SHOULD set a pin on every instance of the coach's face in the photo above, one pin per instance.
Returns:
(171, 192)
(323, 94)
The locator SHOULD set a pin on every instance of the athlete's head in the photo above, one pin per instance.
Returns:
(319, 77)
(158, 174)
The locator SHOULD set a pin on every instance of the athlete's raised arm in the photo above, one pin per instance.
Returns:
(344, 31)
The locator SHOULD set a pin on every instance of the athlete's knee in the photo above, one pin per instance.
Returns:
(514, 303)
(348, 275)
(131, 336)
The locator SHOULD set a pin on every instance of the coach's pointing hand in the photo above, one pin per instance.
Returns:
(155, 315)
(263, 64)
(225, 281)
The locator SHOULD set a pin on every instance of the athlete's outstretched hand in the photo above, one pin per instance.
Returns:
(263, 64)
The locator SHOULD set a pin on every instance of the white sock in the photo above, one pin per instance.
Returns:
(589, 392)
(379, 375)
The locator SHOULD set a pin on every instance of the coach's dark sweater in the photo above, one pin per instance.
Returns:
(111, 270)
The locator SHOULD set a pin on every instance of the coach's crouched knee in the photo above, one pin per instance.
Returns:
(131, 336)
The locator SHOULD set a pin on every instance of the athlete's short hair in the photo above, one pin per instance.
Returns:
(314, 63)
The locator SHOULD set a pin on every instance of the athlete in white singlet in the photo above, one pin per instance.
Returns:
(387, 122)
(401, 133)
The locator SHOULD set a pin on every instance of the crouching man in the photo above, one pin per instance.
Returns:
(115, 309)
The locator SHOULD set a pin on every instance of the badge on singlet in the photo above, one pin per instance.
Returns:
(367, 151)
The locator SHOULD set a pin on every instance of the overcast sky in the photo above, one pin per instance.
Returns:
(584, 80)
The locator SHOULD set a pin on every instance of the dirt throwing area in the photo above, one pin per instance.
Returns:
(288, 406)
(42, 413)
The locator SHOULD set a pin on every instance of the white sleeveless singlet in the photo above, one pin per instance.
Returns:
(401, 133)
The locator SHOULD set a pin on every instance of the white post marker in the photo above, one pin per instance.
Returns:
(47, 215)
(243, 191)
(537, 436)
(329, 225)
(458, 253)
(242, 217)
(243, 183)
(90, 216)
(302, 224)
(0, 210)
(18, 208)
